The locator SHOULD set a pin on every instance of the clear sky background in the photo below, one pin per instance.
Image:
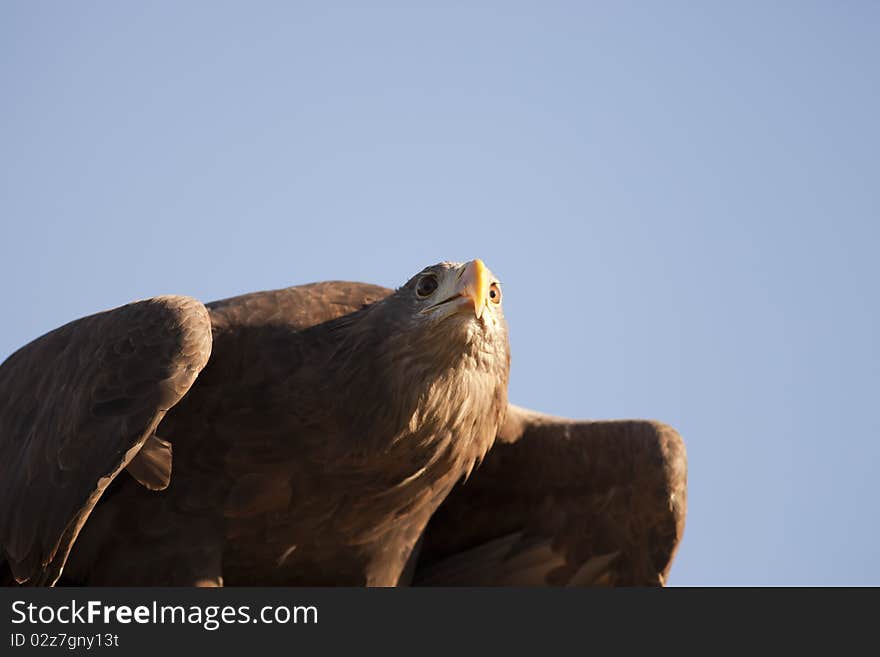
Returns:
(681, 200)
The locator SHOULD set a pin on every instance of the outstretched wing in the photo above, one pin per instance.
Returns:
(76, 406)
(561, 502)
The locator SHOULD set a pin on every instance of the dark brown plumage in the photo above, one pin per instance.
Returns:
(330, 424)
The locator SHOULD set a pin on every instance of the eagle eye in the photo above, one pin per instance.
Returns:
(495, 293)
(427, 285)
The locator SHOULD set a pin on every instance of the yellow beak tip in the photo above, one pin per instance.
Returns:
(476, 284)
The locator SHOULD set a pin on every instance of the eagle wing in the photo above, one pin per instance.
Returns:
(76, 407)
(561, 502)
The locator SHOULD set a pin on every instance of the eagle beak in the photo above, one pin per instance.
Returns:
(473, 283)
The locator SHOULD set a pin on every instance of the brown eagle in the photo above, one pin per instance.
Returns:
(328, 434)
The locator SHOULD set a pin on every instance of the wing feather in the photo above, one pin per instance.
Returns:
(596, 502)
(76, 405)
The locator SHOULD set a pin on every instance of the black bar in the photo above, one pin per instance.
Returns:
(459, 621)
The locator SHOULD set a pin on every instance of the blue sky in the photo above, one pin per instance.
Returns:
(681, 200)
